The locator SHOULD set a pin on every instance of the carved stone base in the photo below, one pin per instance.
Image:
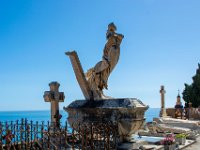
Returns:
(128, 113)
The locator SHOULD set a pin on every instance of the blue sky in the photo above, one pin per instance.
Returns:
(161, 47)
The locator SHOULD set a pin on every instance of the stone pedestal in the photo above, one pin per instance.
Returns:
(128, 113)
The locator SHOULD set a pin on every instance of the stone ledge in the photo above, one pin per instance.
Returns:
(108, 103)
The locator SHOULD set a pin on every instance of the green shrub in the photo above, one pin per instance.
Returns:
(181, 135)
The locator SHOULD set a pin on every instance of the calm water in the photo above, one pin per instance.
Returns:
(45, 115)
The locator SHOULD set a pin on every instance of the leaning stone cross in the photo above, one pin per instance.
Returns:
(54, 97)
(80, 76)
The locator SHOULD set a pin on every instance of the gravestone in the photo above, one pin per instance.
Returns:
(54, 97)
(162, 110)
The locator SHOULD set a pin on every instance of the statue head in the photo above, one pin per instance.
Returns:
(112, 27)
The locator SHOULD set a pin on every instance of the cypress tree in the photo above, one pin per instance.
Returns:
(191, 92)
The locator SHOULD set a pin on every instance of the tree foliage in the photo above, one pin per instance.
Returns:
(191, 92)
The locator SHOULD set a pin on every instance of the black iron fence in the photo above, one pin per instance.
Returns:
(24, 134)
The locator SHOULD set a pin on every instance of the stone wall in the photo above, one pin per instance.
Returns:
(194, 113)
(170, 112)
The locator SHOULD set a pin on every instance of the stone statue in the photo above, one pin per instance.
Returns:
(97, 76)
(126, 113)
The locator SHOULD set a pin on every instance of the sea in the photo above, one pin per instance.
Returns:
(44, 115)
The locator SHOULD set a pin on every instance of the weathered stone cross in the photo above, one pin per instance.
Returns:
(54, 97)
(163, 110)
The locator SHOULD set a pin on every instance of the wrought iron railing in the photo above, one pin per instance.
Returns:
(27, 135)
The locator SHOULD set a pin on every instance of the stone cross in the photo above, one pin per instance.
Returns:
(163, 110)
(54, 97)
